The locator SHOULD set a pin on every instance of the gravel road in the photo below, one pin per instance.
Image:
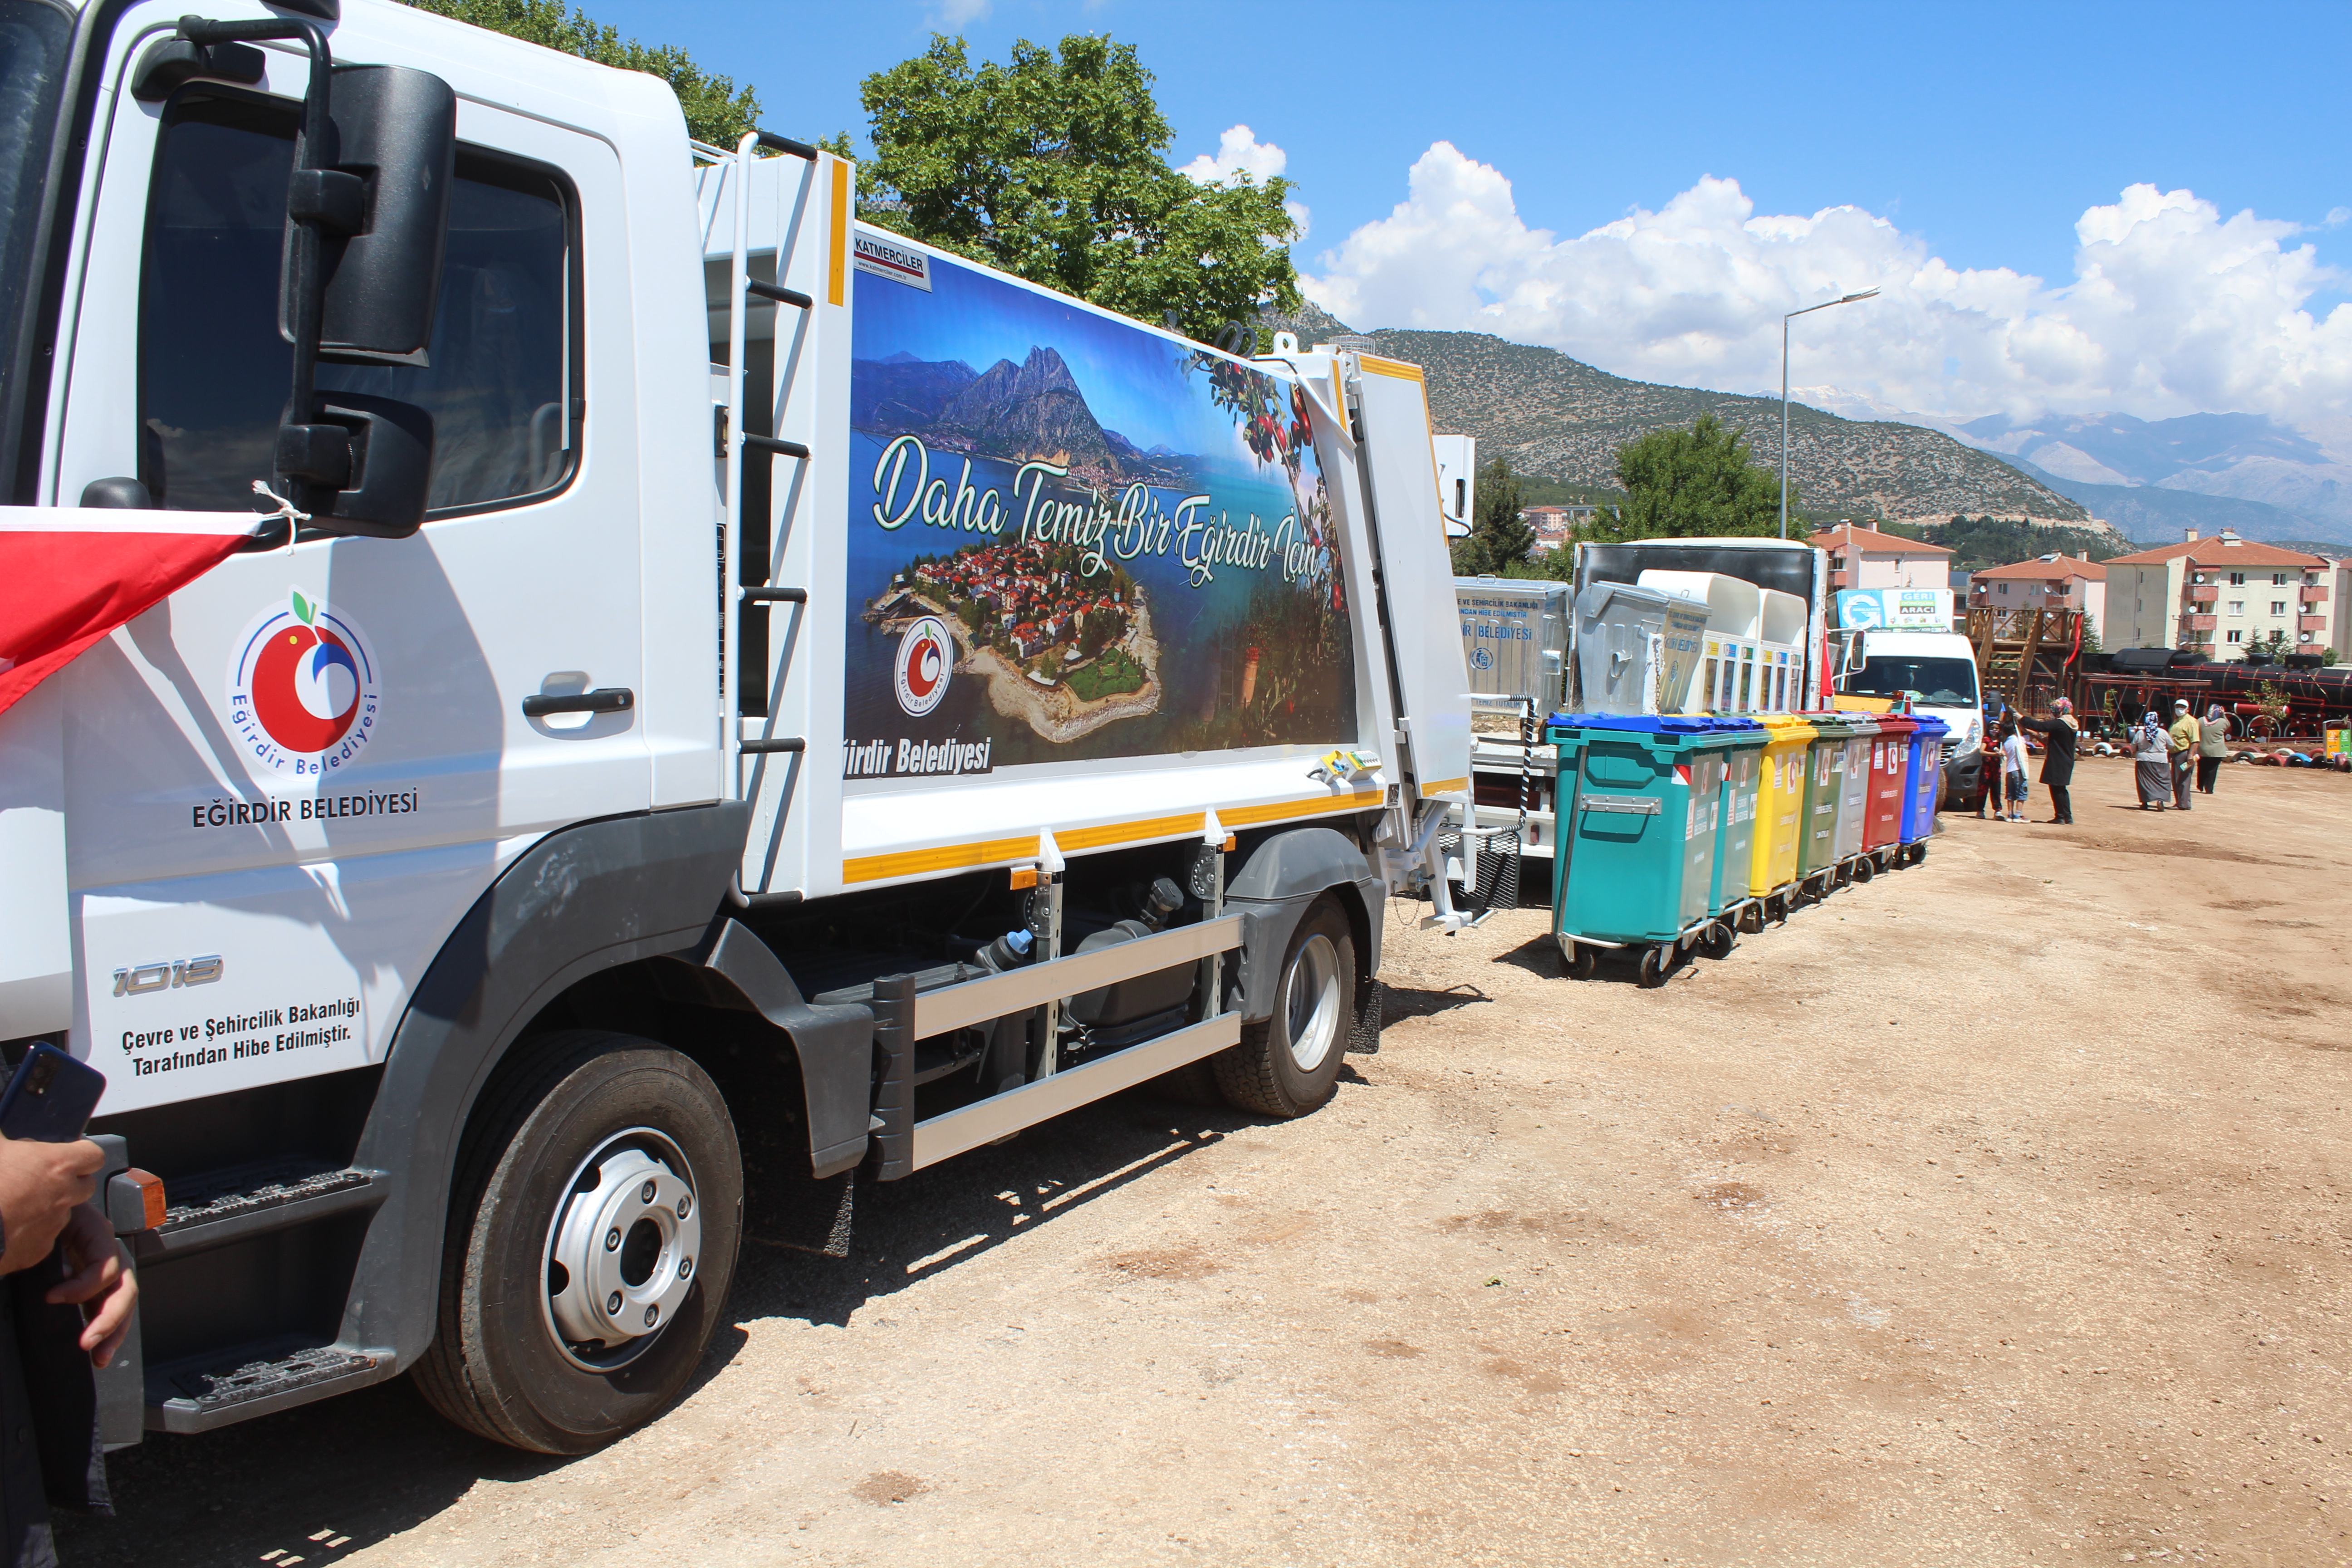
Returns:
(1991, 1213)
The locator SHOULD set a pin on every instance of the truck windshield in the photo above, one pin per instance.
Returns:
(1940, 682)
(34, 35)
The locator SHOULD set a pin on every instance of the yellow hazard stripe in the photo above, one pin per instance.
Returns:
(1444, 786)
(1131, 832)
(1395, 367)
(995, 851)
(950, 858)
(837, 288)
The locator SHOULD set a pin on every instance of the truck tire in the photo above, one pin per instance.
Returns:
(1289, 1064)
(602, 1154)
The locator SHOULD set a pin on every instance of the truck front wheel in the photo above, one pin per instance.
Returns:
(1289, 1064)
(591, 1239)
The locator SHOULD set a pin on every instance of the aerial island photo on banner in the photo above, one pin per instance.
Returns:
(1074, 539)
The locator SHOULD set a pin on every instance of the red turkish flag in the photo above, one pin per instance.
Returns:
(70, 576)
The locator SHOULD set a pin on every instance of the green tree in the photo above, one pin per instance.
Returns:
(1055, 168)
(1498, 538)
(1701, 482)
(716, 111)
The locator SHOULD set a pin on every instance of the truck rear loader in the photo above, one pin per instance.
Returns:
(569, 703)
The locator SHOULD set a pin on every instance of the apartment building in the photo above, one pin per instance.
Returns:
(2045, 583)
(2224, 595)
(1864, 558)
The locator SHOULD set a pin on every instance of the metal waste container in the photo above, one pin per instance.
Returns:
(1780, 809)
(1889, 783)
(1618, 629)
(1637, 803)
(1515, 637)
(1923, 786)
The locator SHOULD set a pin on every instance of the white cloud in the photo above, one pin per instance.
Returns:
(957, 12)
(1239, 149)
(2173, 308)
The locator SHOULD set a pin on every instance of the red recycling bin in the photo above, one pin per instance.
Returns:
(1890, 752)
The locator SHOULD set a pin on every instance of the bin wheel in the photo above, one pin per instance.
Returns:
(1864, 869)
(591, 1239)
(1718, 941)
(1289, 1064)
(1655, 962)
(1752, 919)
(1918, 853)
(1580, 961)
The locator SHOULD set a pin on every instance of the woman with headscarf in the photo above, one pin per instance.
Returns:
(2213, 748)
(2152, 761)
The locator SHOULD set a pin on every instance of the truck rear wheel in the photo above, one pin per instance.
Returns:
(1289, 1064)
(592, 1237)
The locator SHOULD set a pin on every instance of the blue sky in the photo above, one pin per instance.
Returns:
(1986, 128)
(1968, 141)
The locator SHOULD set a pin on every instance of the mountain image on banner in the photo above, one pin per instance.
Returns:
(1032, 412)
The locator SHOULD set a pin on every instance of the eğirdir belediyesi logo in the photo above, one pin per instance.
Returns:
(926, 658)
(303, 688)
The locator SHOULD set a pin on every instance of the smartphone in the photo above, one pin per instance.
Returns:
(50, 1099)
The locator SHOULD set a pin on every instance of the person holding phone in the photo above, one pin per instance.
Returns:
(65, 1307)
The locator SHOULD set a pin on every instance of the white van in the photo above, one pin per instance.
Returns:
(1939, 670)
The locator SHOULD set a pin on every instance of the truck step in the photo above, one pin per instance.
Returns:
(228, 1205)
(194, 1399)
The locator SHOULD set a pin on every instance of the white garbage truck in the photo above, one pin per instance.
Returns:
(633, 703)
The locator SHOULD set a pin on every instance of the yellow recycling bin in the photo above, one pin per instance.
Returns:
(1779, 809)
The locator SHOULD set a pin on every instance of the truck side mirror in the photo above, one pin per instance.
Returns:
(395, 133)
(360, 288)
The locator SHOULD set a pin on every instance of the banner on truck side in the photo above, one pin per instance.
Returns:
(1071, 539)
(1895, 609)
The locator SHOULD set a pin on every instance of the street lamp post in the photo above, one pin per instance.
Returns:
(1792, 315)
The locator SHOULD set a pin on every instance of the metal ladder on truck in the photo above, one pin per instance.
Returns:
(775, 495)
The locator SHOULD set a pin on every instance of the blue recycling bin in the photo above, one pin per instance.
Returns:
(1924, 786)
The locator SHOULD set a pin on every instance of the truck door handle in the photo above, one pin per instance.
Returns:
(603, 700)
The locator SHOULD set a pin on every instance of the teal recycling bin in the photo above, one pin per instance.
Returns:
(1637, 805)
(1742, 742)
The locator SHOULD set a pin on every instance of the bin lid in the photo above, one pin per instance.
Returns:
(1897, 723)
(1934, 728)
(1596, 597)
(1787, 727)
(1647, 723)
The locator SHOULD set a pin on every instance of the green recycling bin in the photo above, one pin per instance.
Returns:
(1637, 805)
(1742, 742)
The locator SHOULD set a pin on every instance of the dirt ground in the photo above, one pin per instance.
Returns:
(1992, 1212)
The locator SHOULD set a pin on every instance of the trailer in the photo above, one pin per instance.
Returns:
(663, 706)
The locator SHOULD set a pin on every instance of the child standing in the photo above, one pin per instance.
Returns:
(2012, 762)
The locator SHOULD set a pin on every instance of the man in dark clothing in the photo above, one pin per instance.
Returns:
(65, 1301)
(2058, 733)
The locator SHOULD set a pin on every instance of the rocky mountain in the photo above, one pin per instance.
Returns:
(2201, 470)
(900, 390)
(1561, 419)
(1032, 410)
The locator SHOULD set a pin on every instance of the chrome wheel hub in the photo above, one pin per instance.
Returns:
(622, 1248)
(1312, 1005)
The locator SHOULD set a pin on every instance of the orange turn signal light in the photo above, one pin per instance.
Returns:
(150, 1194)
(1025, 877)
